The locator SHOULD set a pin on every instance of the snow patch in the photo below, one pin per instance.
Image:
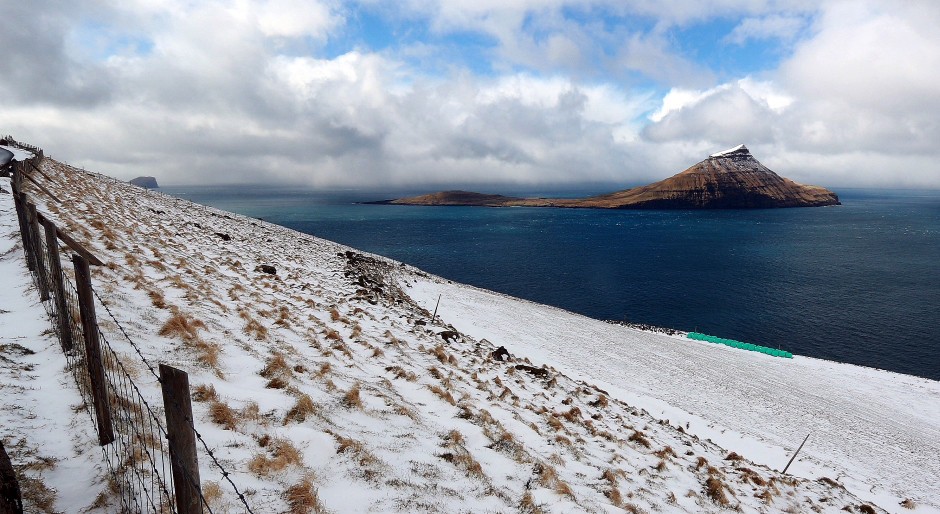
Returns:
(729, 151)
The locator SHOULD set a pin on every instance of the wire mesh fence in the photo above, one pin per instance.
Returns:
(153, 464)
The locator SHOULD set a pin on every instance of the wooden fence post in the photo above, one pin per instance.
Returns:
(37, 252)
(99, 393)
(20, 201)
(57, 282)
(182, 440)
(11, 501)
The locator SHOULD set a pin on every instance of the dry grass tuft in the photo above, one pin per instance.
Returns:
(204, 393)
(182, 326)
(445, 395)
(527, 504)
(548, 477)
(715, 489)
(639, 438)
(302, 498)
(351, 399)
(221, 414)
(356, 448)
(665, 453)
(275, 366)
(281, 453)
(734, 456)
(256, 329)
(156, 298)
(276, 383)
(701, 461)
(299, 412)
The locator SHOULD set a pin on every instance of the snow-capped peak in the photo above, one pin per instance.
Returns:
(729, 151)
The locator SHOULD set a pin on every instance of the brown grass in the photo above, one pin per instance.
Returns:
(276, 383)
(281, 453)
(351, 399)
(156, 298)
(276, 365)
(463, 460)
(302, 498)
(36, 494)
(204, 393)
(356, 448)
(527, 504)
(548, 477)
(639, 438)
(253, 327)
(221, 414)
(299, 412)
(715, 489)
(445, 395)
(665, 453)
(182, 326)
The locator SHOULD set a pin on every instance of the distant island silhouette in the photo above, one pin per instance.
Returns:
(732, 179)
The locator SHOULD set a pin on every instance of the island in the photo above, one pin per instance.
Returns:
(147, 182)
(732, 179)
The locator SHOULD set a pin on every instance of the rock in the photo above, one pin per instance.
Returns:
(266, 268)
(148, 182)
(224, 237)
(501, 354)
(538, 372)
(450, 334)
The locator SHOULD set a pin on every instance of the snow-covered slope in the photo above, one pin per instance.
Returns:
(329, 387)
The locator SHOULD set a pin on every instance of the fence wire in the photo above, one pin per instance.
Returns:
(138, 459)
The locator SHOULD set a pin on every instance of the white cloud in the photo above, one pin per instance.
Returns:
(856, 101)
(293, 18)
(784, 27)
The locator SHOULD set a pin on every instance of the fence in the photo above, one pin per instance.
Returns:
(153, 464)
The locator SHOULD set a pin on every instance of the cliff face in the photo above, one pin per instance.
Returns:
(732, 179)
(148, 182)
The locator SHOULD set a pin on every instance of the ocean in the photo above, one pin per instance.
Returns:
(856, 283)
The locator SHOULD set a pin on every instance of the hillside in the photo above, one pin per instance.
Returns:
(732, 179)
(327, 386)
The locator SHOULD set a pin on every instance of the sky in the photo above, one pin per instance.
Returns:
(453, 93)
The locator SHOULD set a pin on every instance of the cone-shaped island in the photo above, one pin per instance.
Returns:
(732, 179)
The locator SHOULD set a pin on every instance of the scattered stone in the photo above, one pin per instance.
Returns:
(537, 372)
(266, 268)
(450, 334)
(501, 354)
(224, 237)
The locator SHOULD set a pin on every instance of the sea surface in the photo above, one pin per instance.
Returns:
(857, 283)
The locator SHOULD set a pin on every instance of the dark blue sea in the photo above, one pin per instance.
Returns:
(857, 283)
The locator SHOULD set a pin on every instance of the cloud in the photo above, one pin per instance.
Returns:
(784, 27)
(255, 99)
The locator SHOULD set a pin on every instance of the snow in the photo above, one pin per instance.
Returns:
(38, 426)
(18, 153)
(875, 431)
(438, 424)
(728, 151)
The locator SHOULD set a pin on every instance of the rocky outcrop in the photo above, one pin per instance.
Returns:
(732, 179)
(148, 182)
